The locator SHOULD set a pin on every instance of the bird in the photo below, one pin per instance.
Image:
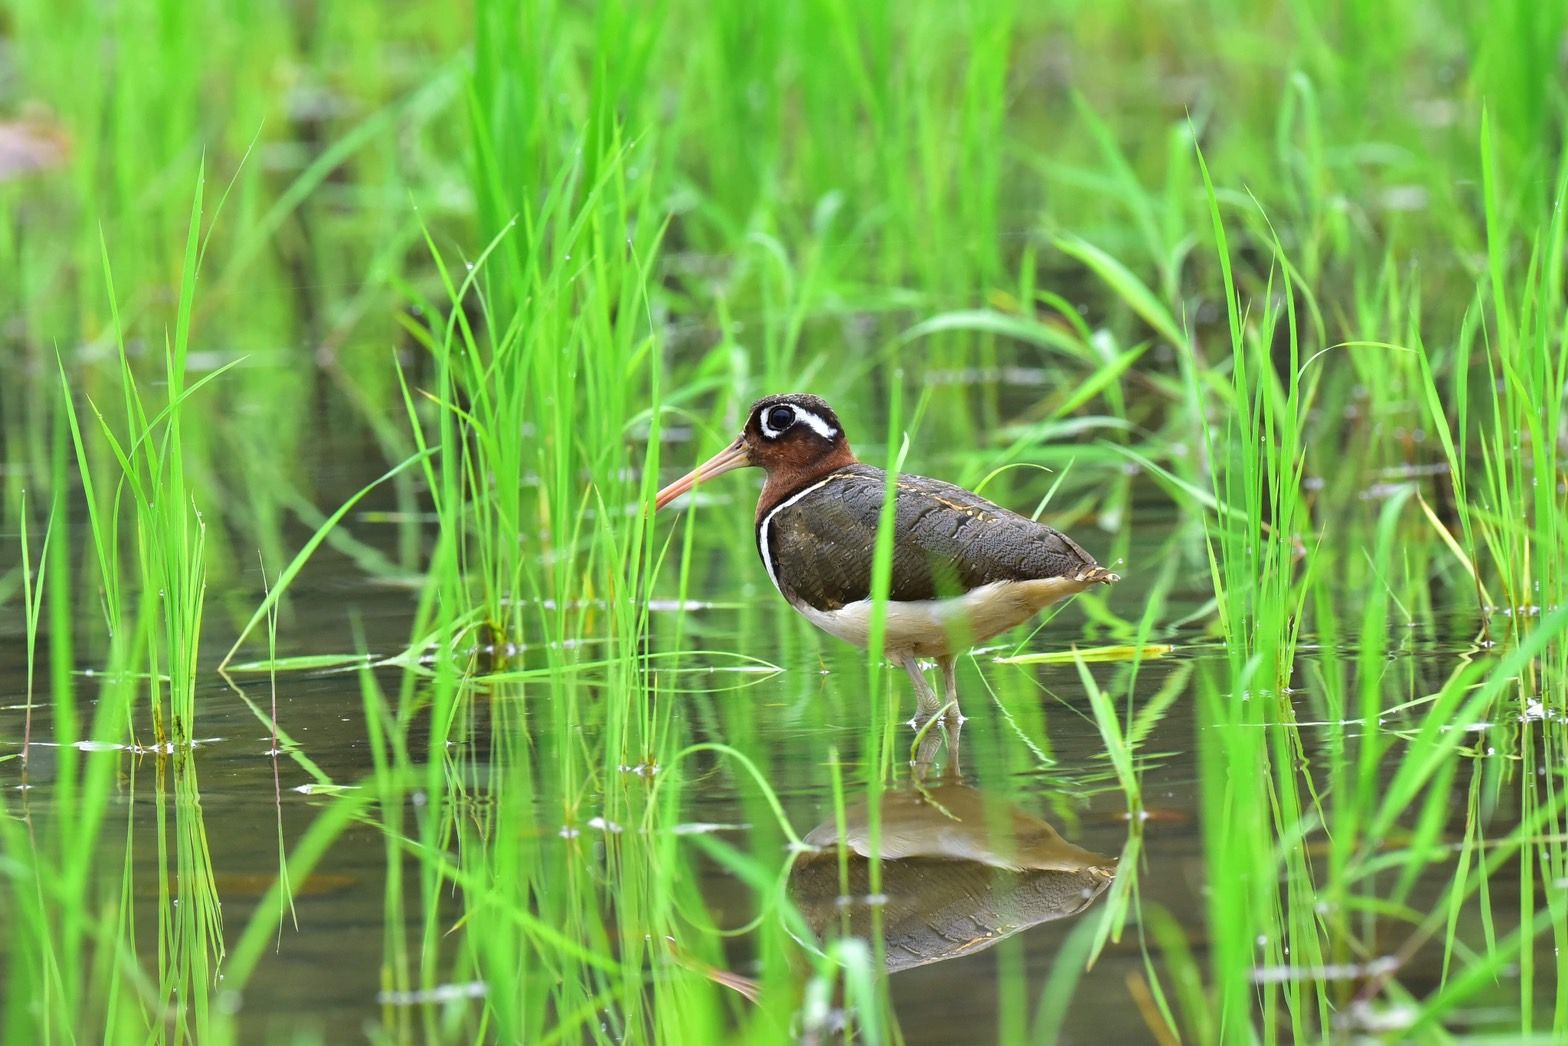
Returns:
(963, 569)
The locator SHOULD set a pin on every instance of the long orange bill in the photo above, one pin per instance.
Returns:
(734, 456)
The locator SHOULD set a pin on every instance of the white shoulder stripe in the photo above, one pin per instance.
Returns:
(767, 521)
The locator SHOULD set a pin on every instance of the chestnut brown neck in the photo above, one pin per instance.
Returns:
(787, 477)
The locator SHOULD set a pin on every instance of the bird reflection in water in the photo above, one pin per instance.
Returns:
(960, 869)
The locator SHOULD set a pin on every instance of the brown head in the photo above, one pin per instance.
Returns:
(795, 437)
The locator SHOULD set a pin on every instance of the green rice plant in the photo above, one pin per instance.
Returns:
(533, 395)
(1522, 503)
(152, 605)
(1241, 820)
(501, 381)
(33, 578)
(1256, 810)
(319, 232)
(616, 223)
(1123, 901)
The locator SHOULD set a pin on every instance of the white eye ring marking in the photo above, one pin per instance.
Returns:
(767, 429)
(811, 418)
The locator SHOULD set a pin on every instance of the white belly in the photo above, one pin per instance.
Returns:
(937, 627)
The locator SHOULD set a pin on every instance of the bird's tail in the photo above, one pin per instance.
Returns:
(1098, 574)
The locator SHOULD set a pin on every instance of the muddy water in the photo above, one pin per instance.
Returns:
(957, 906)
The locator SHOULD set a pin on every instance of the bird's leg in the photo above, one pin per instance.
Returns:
(951, 728)
(949, 663)
(928, 745)
(929, 704)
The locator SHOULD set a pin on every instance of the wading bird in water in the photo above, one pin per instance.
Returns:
(963, 568)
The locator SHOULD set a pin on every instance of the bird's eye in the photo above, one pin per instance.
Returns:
(781, 418)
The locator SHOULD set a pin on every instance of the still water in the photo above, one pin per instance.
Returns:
(995, 846)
